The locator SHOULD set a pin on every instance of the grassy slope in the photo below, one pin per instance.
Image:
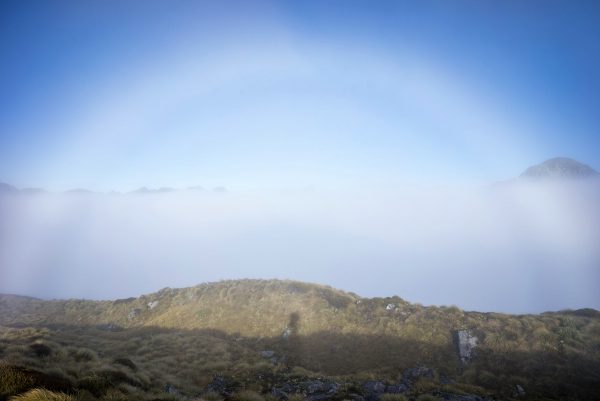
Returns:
(220, 327)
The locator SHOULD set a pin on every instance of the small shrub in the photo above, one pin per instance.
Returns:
(83, 354)
(41, 350)
(126, 362)
(96, 385)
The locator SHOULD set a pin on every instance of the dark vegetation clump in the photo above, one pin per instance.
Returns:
(126, 362)
(40, 350)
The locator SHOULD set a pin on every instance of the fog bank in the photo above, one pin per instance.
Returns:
(512, 247)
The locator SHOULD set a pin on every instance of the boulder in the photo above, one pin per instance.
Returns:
(373, 389)
(134, 313)
(314, 390)
(397, 388)
(519, 391)
(222, 386)
(466, 343)
(267, 354)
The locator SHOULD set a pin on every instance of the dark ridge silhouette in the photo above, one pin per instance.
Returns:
(6, 188)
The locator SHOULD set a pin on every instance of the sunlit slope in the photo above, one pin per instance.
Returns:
(275, 309)
(247, 307)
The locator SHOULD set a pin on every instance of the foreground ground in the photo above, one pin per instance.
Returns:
(251, 340)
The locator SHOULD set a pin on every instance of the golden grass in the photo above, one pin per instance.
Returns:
(218, 329)
(40, 394)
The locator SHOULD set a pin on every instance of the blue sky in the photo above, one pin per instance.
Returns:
(116, 95)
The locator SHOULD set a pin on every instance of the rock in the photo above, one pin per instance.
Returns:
(109, 327)
(356, 397)
(152, 305)
(466, 343)
(314, 390)
(317, 390)
(222, 386)
(397, 388)
(390, 307)
(134, 313)
(267, 354)
(271, 356)
(373, 389)
(279, 393)
(519, 391)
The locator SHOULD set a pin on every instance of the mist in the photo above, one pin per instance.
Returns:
(515, 247)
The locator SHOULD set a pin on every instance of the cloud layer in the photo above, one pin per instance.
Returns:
(513, 247)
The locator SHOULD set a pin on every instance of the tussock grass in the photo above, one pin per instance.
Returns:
(193, 334)
(40, 394)
(14, 381)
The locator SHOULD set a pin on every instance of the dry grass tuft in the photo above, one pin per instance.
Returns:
(40, 394)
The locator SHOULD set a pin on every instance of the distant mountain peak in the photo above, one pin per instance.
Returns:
(7, 188)
(559, 168)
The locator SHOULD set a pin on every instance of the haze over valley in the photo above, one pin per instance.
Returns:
(467, 245)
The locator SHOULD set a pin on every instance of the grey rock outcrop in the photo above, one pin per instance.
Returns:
(466, 343)
(222, 385)
(373, 389)
(134, 313)
(314, 390)
(519, 391)
(267, 354)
